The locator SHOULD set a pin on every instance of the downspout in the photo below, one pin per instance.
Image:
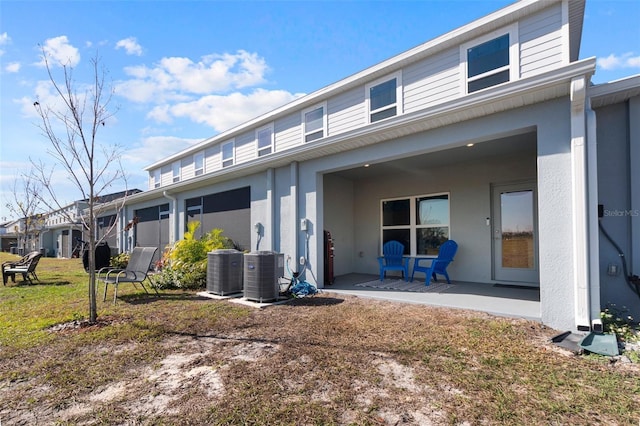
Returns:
(271, 212)
(122, 234)
(173, 235)
(594, 240)
(293, 225)
(580, 205)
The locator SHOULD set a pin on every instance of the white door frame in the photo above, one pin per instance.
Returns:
(527, 276)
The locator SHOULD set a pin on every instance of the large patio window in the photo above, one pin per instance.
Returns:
(432, 223)
(421, 223)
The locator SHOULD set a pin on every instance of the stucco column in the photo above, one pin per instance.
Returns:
(270, 224)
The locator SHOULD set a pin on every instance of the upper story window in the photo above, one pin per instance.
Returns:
(198, 163)
(384, 98)
(156, 178)
(175, 169)
(228, 154)
(491, 60)
(314, 121)
(265, 140)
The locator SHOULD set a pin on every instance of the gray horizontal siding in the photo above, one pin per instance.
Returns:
(346, 111)
(426, 83)
(246, 147)
(186, 168)
(166, 175)
(212, 160)
(431, 81)
(288, 131)
(541, 41)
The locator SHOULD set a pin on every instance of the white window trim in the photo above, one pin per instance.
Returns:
(272, 146)
(514, 57)
(233, 154)
(322, 105)
(156, 177)
(175, 166)
(195, 168)
(399, 96)
(413, 227)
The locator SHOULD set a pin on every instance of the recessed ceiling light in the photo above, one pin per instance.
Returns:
(366, 165)
(470, 144)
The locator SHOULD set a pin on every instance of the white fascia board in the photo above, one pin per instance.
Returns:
(615, 91)
(504, 94)
(500, 18)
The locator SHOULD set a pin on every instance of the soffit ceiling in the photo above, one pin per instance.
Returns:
(508, 147)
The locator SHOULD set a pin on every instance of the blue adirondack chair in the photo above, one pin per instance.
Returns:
(392, 259)
(438, 265)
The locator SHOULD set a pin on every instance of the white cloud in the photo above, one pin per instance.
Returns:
(212, 91)
(138, 91)
(60, 52)
(4, 39)
(44, 94)
(12, 67)
(130, 45)
(160, 114)
(155, 148)
(225, 112)
(613, 61)
(175, 77)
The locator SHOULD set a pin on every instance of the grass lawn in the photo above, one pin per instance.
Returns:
(326, 360)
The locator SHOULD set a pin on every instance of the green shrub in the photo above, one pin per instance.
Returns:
(618, 321)
(120, 261)
(187, 260)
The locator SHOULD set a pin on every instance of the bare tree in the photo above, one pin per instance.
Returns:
(92, 166)
(27, 200)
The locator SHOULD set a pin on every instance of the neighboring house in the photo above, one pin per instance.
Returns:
(491, 135)
(64, 227)
(13, 238)
(9, 232)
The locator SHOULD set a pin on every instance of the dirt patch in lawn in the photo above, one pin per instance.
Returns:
(322, 360)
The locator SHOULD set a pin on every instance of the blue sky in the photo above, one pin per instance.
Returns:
(184, 71)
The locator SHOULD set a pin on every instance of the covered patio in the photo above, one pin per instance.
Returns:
(497, 299)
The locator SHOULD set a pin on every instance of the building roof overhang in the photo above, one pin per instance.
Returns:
(516, 94)
(494, 21)
(615, 91)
